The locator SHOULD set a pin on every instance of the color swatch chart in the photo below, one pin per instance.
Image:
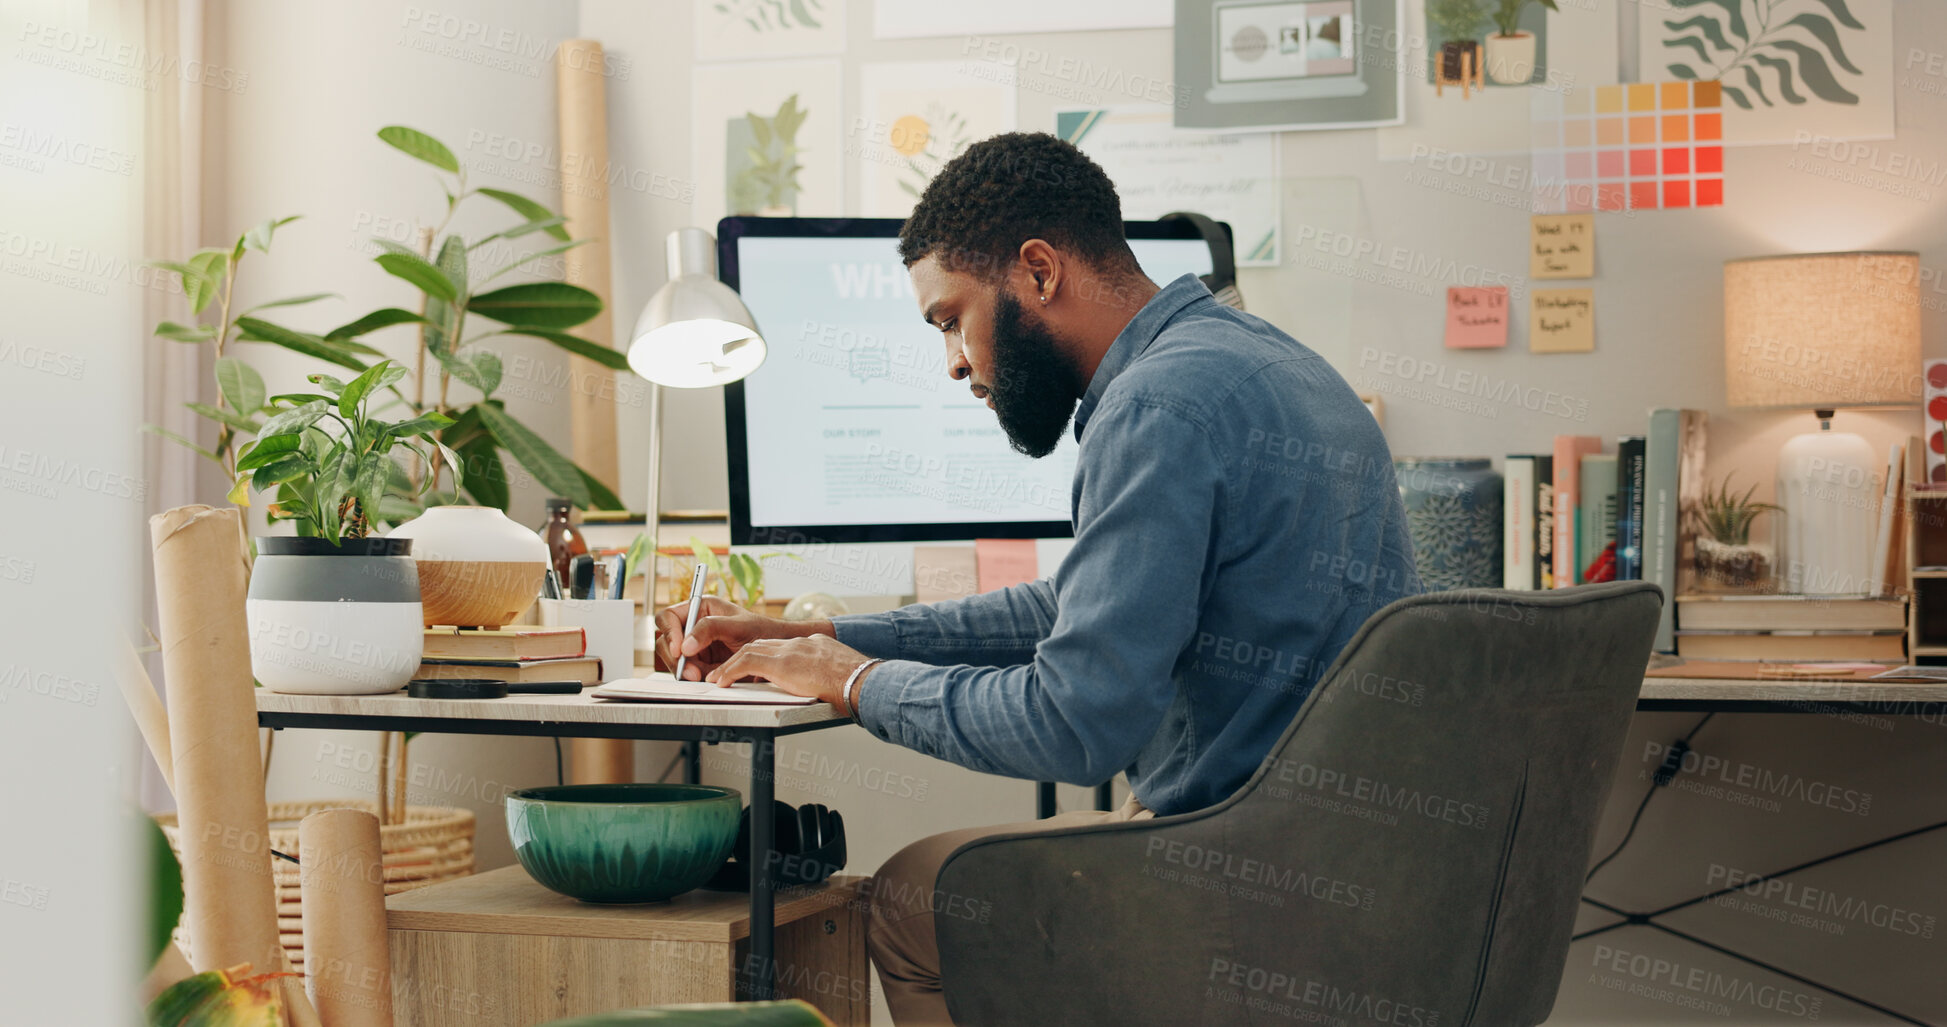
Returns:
(1638, 146)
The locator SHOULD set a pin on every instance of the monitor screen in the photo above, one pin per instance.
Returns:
(851, 430)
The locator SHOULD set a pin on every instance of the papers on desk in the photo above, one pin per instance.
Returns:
(1915, 674)
(662, 687)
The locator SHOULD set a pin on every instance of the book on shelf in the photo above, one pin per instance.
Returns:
(585, 669)
(1518, 523)
(1545, 521)
(1629, 508)
(1569, 453)
(1788, 613)
(1595, 528)
(1673, 465)
(522, 642)
(1791, 645)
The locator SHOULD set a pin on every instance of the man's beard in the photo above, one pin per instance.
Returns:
(1033, 389)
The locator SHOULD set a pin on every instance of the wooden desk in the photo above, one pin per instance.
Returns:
(582, 716)
(1708, 689)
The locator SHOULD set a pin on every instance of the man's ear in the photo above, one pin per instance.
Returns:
(1042, 268)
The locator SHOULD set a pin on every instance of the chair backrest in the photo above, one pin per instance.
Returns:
(1413, 848)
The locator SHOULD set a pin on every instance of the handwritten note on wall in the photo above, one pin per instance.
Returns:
(1563, 246)
(1562, 321)
(1477, 316)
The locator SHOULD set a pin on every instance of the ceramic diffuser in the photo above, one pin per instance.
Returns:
(477, 568)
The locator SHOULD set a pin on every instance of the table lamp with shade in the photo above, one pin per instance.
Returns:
(694, 333)
(1819, 331)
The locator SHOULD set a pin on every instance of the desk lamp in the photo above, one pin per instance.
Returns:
(694, 333)
(1820, 331)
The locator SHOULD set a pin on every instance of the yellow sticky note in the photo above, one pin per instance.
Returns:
(1561, 321)
(1562, 246)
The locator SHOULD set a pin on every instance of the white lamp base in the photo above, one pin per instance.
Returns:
(1826, 487)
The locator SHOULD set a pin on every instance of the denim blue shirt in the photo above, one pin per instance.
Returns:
(1236, 519)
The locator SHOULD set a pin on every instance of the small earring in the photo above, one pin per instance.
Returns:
(1044, 299)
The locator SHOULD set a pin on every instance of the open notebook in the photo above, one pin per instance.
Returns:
(662, 687)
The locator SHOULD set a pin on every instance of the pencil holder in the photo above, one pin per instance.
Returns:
(609, 625)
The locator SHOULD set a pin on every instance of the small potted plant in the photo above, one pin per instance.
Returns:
(1459, 22)
(335, 610)
(1511, 52)
(1726, 559)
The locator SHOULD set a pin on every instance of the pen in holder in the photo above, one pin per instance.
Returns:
(609, 625)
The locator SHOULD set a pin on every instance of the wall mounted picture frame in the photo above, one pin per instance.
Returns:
(1292, 65)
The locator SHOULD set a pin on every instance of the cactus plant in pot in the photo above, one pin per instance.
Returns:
(334, 610)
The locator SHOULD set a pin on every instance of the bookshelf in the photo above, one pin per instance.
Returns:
(1926, 569)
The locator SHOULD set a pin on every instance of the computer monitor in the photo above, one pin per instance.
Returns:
(851, 431)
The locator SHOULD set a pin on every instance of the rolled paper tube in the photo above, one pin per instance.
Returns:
(229, 902)
(582, 99)
(341, 877)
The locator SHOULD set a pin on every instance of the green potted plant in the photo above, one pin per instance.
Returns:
(1511, 52)
(334, 609)
(1459, 22)
(1726, 559)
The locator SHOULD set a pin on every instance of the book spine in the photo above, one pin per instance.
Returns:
(1544, 522)
(1595, 523)
(1567, 464)
(1629, 508)
(1660, 520)
(1518, 527)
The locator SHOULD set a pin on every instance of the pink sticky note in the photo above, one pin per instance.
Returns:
(1477, 316)
(1005, 561)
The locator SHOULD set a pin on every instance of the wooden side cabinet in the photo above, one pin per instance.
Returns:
(498, 949)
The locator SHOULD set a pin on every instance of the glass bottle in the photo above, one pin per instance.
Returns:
(563, 537)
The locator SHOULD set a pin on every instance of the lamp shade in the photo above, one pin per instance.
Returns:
(1822, 330)
(695, 331)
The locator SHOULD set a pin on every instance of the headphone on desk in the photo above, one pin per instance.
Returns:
(1222, 279)
(810, 845)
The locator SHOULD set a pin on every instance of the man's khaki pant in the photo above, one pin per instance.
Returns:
(904, 905)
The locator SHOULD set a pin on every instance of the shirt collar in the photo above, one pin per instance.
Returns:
(1136, 336)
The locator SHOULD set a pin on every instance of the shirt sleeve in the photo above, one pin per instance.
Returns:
(1127, 600)
(994, 629)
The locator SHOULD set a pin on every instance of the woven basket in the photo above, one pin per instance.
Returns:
(434, 844)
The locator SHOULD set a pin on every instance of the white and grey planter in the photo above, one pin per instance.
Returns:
(334, 620)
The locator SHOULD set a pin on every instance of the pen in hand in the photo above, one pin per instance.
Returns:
(696, 600)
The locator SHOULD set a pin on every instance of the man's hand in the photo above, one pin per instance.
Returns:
(722, 628)
(816, 665)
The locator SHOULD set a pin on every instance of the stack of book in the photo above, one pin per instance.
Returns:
(520, 654)
(1576, 514)
(1790, 627)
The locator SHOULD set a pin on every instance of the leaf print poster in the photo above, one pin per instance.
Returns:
(729, 30)
(913, 118)
(1790, 70)
(764, 140)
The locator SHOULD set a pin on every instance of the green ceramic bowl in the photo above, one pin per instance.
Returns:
(623, 842)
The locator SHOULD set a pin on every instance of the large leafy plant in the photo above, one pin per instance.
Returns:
(337, 482)
(451, 292)
(476, 432)
(1749, 44)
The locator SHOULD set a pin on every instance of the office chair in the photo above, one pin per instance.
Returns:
(1410, 852)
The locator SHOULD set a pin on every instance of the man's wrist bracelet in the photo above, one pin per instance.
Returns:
(850, 692)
